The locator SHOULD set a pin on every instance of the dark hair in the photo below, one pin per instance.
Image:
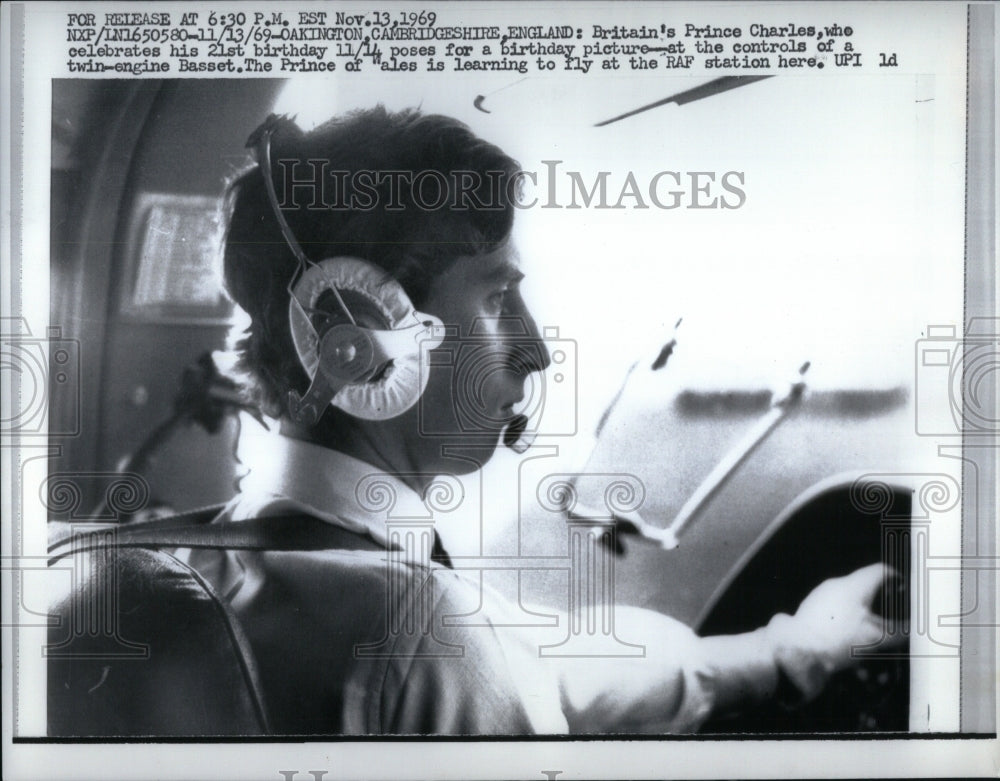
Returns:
(412, 244)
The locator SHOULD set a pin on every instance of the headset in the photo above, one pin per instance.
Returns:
(368, 361)
(369, 372)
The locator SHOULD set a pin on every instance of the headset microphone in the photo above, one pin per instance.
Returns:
(516, 436)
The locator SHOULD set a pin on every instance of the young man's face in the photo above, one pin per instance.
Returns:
(478, 376)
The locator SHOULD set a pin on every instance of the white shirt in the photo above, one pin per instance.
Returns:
(354, 640)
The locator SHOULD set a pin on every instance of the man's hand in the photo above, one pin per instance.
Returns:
(833, 620)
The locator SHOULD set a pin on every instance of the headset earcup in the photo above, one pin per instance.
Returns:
(395, 388)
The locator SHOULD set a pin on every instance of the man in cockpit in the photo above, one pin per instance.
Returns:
(406, 228)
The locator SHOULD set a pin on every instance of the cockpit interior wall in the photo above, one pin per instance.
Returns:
(129, 159)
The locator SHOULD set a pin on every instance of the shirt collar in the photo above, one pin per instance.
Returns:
(288, 474)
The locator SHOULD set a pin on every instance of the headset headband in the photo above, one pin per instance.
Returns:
(260, 143)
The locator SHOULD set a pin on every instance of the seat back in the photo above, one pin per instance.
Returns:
(141, 645)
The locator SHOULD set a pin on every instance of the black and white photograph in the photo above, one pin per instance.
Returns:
(499, 390)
